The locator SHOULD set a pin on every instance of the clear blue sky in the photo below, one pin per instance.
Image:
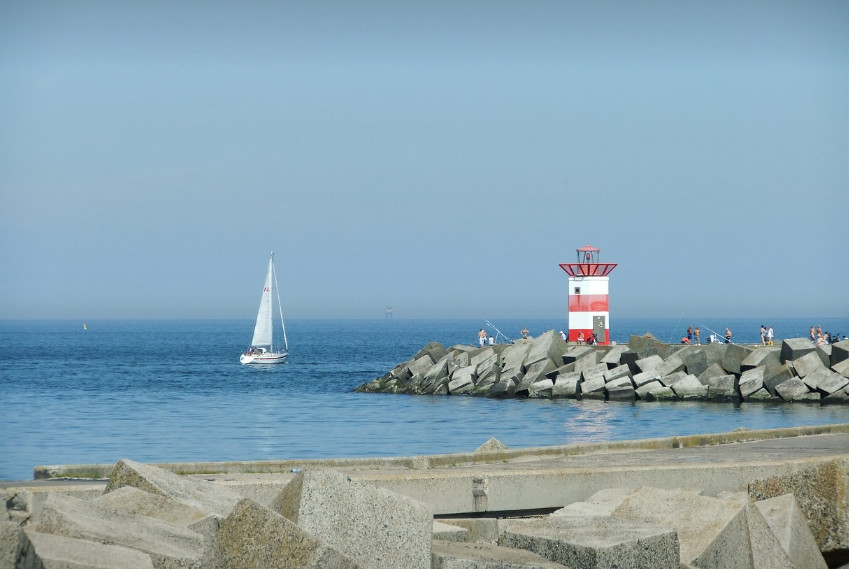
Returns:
(438, 157)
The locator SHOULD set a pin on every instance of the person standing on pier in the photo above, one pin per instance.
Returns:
(727, 335)
(482, 338)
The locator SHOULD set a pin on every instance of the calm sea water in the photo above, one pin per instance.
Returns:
(158, 391)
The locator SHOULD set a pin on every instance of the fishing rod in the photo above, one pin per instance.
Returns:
(715, 333)
(498, 333)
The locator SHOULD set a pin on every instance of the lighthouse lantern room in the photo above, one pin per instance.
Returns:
(589, 306)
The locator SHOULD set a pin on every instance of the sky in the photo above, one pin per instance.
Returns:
(438, 157)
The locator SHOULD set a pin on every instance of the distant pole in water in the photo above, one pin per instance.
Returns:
(84, 326)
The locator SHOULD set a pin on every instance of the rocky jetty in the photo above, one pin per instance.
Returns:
(644, 369)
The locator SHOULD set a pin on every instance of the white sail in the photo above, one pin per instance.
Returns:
(263, 330)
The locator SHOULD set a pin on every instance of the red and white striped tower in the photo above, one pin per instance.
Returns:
(589, 307)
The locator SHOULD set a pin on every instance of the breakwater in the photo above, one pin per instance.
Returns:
(643, 369)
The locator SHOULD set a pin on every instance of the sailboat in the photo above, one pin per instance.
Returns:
(263, 350)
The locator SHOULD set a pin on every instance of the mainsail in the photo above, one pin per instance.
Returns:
(263, 331)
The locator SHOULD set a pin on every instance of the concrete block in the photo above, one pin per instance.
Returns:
(458, 360)
(621, 393)
(602, 503)
(690, 388)
(592, 372)
(670, 365)
(372, 525)
(733, 357)
(541, 389)
(841, 397)
(839, 352)
(709, 529)
(649, 363)
(166, 543)
(613, 357)
(695, 362)
(721, 388)
(751, 380)
(765, 550)
(536, 372)
(822, 494)
(792, 389)
(437, 374)
(484, 530)
(842, 368)
(794, 348)
(762, 394)
(595, 542)
(575, 353)
(448, 532)
(199, 494)
(140, 503)
(624, 381)
(713, 370)
(12, 543)
(673, 378)
(645, 377)
(448, 555)
(766, 356)
(807, 364)
(824, 352)
(566, 385)
(660, 394)
(593, 384)
(617, 373)
(254, 537)
(50, 551)
(484, 358)
(462, 380)
(825, 381)
(419, 367)
(547, 346)
(514, 356)
(435, 350)
(646, 388)
(775, 376)
(788, 524)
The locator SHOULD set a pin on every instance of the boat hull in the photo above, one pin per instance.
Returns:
(271, 358)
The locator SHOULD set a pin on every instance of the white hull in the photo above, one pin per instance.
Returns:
(267, 358)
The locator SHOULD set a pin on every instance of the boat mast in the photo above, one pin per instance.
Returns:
(280, 307)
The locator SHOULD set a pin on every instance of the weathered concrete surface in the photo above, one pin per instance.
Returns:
(790, 527)
(375, 527)
(56, 551)
(447, 555)
(590, 542)
(254, 537)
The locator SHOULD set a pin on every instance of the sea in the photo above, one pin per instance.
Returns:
(174, 391)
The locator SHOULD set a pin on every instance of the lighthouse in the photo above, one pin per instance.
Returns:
(589, 306)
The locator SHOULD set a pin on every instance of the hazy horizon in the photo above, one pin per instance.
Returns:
(441, 158)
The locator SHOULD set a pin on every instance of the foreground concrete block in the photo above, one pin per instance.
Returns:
(649, 363)
(375, 527)
(751, 380)
(55, 551)
(448, 532)
(839, 352)
(790, 527)
(167, 544)
(689, 388)
(602, 503)
(140, 503)
(483, 530)
(449, 555)
(721, 388)
(709, 529)
(254, 537)
(12, 542)
(594, 542)
(199, 494)
(822, 493)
